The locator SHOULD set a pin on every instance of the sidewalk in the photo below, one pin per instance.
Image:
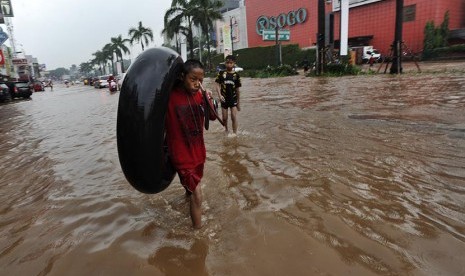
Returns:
(425, 66)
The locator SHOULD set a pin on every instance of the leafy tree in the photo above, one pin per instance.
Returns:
(429, 36)
(85, 68)
(207, 11)
(59, 72)
(119, 45)
(108, 51)
(443, 30)
(435, 37)
(173, 28)
(99, 60)
(140, 34)
(181, 13)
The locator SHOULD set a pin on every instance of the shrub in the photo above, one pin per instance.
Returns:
(435, 37)
(279, 71)
(259, 58)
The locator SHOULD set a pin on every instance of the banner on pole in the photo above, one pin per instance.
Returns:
(7, 8)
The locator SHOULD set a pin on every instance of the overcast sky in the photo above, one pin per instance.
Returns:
(64, 32)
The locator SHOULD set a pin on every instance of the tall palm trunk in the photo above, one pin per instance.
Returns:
(208, 49)
(122, 64)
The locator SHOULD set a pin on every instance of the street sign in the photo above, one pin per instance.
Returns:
(271, 34)
(3, 37)
(19, 61)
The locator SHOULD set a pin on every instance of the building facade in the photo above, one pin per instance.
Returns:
(371, 22)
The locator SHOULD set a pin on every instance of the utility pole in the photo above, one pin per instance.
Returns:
(396, 67)
(321, 36)
(200, 43)
(231, 29)
(344, 27)
(278, 47)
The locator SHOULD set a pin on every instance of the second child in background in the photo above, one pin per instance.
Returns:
(228, 83)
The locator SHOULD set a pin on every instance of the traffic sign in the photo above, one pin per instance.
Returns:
(270, 34)
(3, 37)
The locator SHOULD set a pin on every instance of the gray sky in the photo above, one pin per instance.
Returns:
(64, 32)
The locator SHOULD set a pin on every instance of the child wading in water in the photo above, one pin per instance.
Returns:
(184, 134)
(227, 86)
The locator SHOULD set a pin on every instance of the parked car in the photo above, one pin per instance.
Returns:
(222, 66)
(20, 89)
(102, 82)
(39, 86)
(5, 95)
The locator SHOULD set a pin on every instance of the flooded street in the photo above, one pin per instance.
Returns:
(357, 175)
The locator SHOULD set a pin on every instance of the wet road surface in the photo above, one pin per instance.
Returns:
(360, 175)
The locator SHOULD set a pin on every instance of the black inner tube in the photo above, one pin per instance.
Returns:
(140, 125)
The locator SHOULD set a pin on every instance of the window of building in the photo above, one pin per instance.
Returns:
(409, 13)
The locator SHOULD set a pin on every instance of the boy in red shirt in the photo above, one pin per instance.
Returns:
(184, 134)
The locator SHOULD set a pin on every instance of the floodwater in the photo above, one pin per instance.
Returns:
(361, 175)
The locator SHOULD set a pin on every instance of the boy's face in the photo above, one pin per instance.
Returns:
(193, 79)
(229, 64)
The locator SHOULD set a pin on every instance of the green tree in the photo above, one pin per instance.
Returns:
(173, 28)
(108, 52)
(59, 72)
(207, 11)
(182, 13)
(429, 36)
(443, 31)
(99, 60)
(119, 45)
(85, 68)
(140, 34)
(435, 37)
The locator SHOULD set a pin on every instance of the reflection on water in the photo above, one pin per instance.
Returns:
(327, 176)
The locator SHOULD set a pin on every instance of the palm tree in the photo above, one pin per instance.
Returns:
(182, 13)
(174, 28)
(140, 34)
(119, 44)
(108, 51)
(207, 12)
(99, 59)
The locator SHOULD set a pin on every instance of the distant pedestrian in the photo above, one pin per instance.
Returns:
(228, 83)
(371, 61)
(305, 65)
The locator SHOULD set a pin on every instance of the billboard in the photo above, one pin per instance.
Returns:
(7, 8)
(352, 3)
(19, 61)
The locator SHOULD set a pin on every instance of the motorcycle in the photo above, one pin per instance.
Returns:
(113, 87)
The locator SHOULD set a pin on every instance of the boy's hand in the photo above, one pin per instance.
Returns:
(238, 107)
(222, 98)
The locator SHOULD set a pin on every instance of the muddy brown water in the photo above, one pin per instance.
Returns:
(359, 175)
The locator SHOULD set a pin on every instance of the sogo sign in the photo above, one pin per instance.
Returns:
(291, 18)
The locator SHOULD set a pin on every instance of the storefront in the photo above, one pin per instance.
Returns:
(371, 22)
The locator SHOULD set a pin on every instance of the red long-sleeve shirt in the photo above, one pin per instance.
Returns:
(184, 129)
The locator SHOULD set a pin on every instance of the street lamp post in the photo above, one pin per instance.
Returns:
(396, 67)
(231, 31)
(320, 37)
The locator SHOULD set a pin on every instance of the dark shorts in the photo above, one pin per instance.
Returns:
(190, 178)
(229, 102)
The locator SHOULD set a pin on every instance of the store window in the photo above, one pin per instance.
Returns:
(409, 13)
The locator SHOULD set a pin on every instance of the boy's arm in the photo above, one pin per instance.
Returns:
(218, 91)
(238, 93)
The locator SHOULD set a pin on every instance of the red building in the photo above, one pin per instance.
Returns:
(371, 22)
